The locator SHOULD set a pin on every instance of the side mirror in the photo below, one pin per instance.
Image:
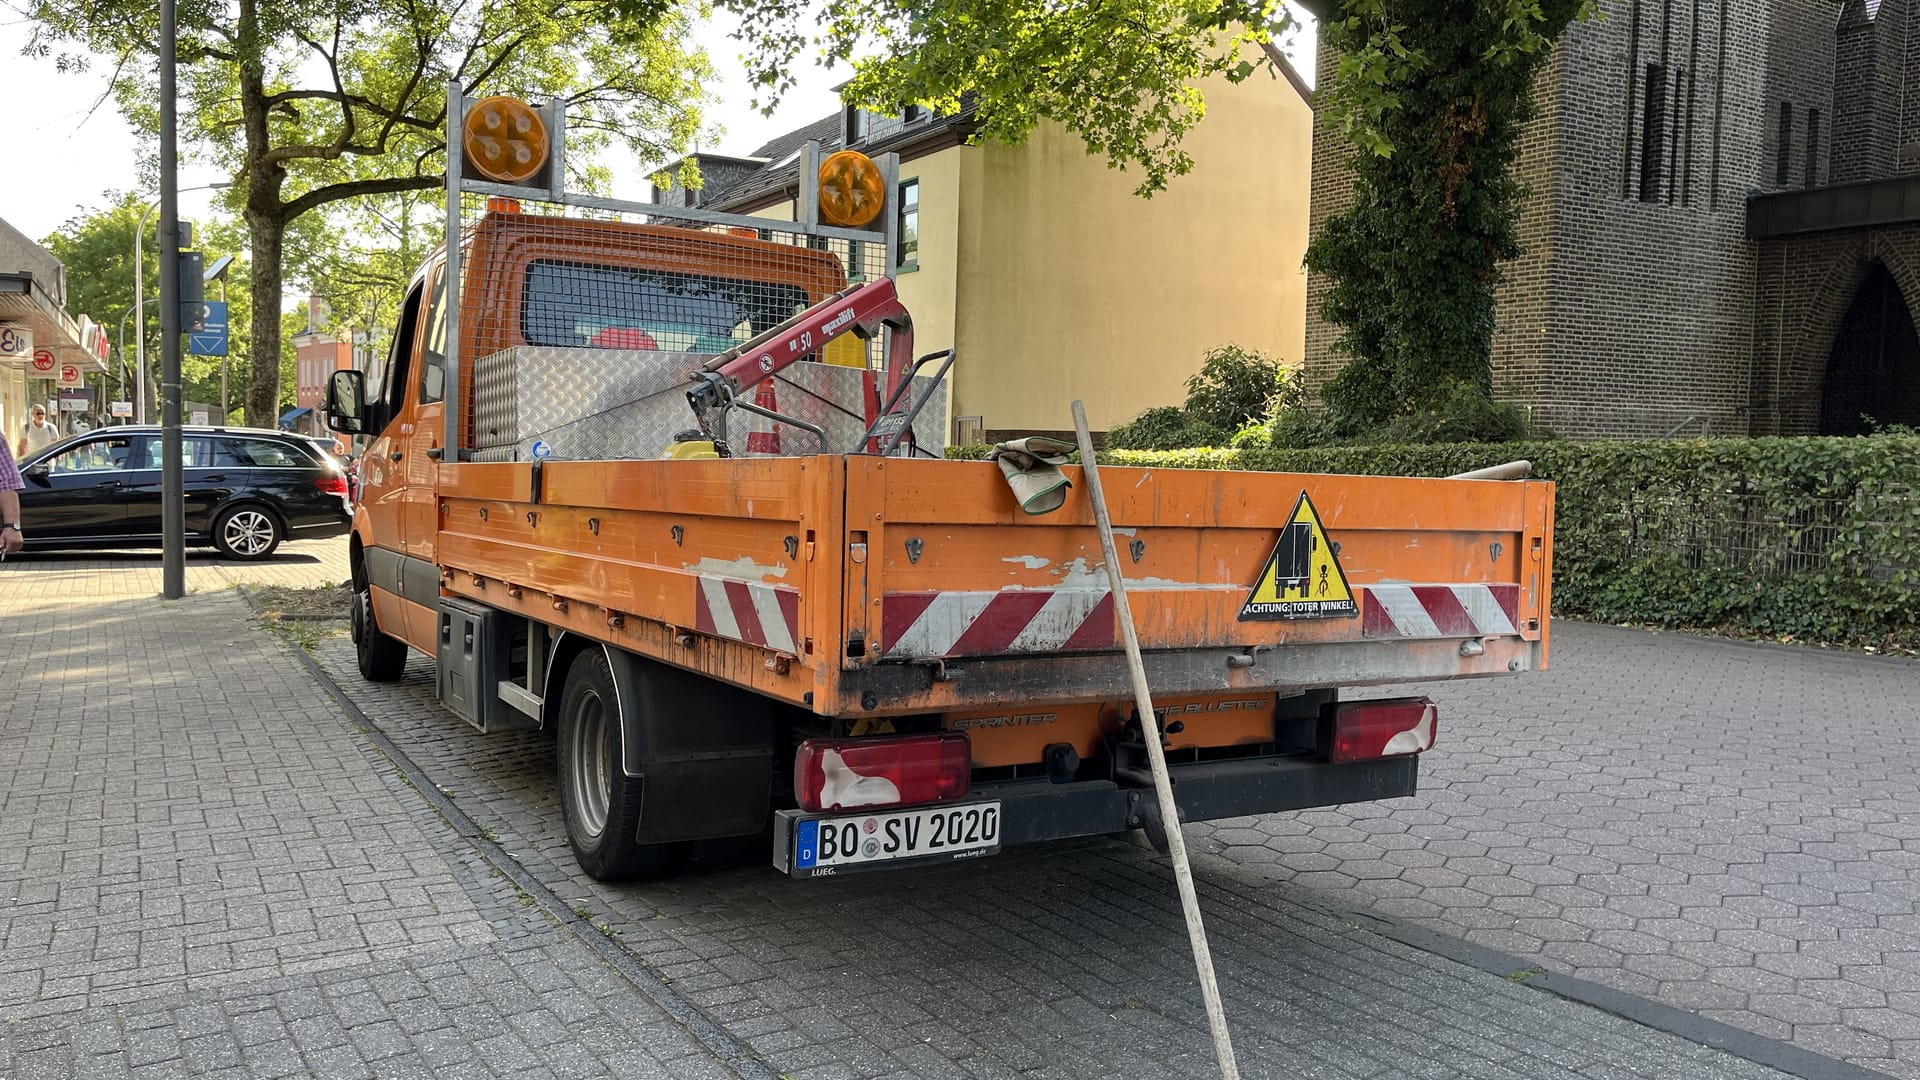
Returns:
(39, 470)
(347, 402)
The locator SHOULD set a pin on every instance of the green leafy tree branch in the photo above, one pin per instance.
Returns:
(312, 103)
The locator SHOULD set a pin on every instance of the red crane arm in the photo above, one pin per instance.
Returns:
(865, 309)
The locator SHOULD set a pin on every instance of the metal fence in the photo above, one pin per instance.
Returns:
(1775, 538)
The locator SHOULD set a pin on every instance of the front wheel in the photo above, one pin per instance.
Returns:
(247, 532)
(602, 803)
(379, 657)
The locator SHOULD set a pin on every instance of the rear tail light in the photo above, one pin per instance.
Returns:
(832, 774)
(1369, 730)
(332, 485)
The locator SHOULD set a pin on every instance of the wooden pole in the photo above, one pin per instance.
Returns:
(1162, 785)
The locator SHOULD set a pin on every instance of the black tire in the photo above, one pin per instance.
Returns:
(601, 802)
(248, 532)
(380, 658)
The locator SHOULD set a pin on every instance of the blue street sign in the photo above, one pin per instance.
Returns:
(211, 338)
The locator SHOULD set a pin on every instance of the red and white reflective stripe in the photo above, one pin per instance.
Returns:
(1440, 611)
(748, 611)
(996, 623)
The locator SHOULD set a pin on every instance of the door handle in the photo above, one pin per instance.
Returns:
(217, 478)
(397, 455)
(108, 484)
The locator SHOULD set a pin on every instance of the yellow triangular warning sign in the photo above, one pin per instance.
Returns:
(1303, 579)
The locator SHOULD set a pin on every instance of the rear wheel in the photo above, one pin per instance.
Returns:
(247, 532)
(380, 658)
(602, 803)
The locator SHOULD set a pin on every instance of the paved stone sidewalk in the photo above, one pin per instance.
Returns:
(204, 870)
(1066, 960)
(112, 575)
(539, 1007)
(1727, 828)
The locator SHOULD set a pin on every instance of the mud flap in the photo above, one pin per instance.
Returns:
(703, 751)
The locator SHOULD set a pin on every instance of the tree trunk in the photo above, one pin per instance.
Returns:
(261, 398)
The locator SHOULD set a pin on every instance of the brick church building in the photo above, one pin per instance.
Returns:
(1723, 231)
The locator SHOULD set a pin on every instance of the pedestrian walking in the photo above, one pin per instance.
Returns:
(39, 433)
(12, 539)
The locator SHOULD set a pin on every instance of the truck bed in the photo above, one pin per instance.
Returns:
(855, 586)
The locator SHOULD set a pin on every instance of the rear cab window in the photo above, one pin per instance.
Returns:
(573, 304)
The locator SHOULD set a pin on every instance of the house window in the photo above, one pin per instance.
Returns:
(1781, 167)
(1653, 131)
(1813, 147)
(909, 224)
(911, 114)
(856, 126)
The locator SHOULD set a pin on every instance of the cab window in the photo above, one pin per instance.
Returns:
(433, 353)
(400, 357)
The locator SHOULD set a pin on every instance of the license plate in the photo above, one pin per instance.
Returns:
(823, 846)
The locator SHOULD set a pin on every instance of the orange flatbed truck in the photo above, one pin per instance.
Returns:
(879, 659)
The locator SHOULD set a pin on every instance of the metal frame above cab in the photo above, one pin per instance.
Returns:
(553, 114)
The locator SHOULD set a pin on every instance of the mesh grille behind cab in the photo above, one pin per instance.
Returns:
(592, 321)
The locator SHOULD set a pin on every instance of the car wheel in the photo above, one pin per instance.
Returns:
(247, 532)
(601, 802)
(379, 657)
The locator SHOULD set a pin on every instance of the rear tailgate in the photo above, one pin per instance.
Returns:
(961, 599)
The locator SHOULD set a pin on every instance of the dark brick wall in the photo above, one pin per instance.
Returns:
(1804, 287)
(1876, 71)
(1907, 156)
(1648, 291)
(1639, 307)
(1331, 192)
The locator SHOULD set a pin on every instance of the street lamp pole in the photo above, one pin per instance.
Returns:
(173, 511)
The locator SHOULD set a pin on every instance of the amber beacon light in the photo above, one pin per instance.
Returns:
(851, 189)
(504, 140)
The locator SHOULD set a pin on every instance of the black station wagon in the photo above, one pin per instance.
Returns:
(246, 490)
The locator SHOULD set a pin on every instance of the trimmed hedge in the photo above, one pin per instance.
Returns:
(1812, 539)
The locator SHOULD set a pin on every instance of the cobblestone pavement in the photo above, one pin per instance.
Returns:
(1066, 960)
(105, 575)
(206, 871)
(1732, 829)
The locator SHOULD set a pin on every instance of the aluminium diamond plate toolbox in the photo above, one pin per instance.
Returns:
(627, 404)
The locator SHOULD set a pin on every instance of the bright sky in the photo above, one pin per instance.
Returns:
(63, 154)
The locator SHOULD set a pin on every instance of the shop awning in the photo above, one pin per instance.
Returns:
(24, 301)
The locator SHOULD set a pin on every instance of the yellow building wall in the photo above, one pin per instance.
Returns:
(1070, 286)
(930, 292)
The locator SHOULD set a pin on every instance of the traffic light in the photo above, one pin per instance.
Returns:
(193, 292)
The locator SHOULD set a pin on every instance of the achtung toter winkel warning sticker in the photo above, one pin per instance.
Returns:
(1303, 579)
